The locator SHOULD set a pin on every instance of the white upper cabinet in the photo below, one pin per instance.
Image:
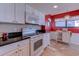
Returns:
(28, 10)
(20, 13)
(41, 19)
(34, 16)
(12, 13)
(30, 15)
(6, 12)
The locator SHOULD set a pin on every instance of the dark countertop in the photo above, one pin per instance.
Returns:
(10, 42)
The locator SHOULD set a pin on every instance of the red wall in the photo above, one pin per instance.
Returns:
(46, 19)
(52, 17)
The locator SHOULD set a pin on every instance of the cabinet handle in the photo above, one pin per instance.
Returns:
(16, 52)
(25, 16)
(20, 50)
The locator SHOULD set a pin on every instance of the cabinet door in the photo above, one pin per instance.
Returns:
(28, 10)
(28, 13)
(6, 12)
(20, 52)
(41, 19)
(20, 13)
(66, 37)
(25, 50)
(46, 40)
(31, 15)
(12, 53)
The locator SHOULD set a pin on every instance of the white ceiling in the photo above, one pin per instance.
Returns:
(47, 8)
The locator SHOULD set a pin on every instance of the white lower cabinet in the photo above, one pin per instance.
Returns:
(22, 49)
(26, 47)
(46, 40)
(12, 53)
(53, 35)
(66, 37)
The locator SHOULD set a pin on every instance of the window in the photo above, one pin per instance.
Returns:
(72, 23)
(60, 23)
(76, 23)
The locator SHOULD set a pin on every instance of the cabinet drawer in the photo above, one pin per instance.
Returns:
(12, 53)
(23, 43)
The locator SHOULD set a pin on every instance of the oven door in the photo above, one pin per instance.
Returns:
(36, 46)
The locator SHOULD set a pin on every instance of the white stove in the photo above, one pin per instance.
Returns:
(36, 45)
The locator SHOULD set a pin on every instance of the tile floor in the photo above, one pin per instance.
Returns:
(59, 49)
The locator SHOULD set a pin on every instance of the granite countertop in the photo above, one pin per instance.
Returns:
(11, 41)
(15, 40)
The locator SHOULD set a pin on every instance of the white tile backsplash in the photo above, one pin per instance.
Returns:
(15, 27)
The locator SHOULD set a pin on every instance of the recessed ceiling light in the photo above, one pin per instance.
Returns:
(55, 6)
